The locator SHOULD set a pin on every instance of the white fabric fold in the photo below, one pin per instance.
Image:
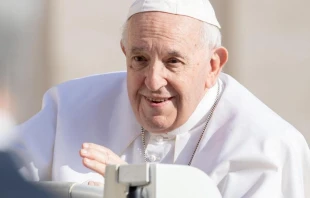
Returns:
(247, 150)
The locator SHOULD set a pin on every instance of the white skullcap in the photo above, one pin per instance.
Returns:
(198, 9)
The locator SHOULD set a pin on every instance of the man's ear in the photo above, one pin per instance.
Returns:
(218, 59)
(123, 47)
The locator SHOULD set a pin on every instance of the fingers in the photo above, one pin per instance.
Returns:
(95, 166)
(96, 147)
(93, 154)
(96, 157)
(93, 183)
(100, 154)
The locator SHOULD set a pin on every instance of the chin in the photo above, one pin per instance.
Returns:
(157, 126)
(157, 121)
(158, 130)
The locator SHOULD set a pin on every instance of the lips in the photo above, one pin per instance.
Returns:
(157, 100)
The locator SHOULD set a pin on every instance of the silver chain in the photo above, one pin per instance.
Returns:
(201, 136)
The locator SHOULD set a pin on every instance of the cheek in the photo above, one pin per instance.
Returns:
(183, 88)
(201, 76)
(134, 84)
(193, 87)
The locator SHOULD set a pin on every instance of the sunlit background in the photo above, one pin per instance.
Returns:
(46, 42)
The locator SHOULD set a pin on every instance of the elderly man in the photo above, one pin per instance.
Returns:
(173, 105)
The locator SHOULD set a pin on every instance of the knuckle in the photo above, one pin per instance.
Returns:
(108, 158)
(90, 152)
(107, 151)
(96, 166)
(91, 145)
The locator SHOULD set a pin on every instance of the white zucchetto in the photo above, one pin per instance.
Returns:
(198, 9)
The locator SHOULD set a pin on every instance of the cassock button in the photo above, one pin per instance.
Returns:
(152, 158)
(159, 139)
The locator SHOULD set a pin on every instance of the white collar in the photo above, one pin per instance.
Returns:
(202, 109)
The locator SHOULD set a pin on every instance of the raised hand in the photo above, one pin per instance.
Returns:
(96, 157)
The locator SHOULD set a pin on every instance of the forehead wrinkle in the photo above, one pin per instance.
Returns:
(170, 51)
(163, 26)
(176, 53)
(137, 50)
(155, 32)
(159, 42)
(159, 33)
(140, 47)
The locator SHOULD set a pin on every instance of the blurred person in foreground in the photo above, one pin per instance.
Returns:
(173, 105)
(11, 183)
(6, 119)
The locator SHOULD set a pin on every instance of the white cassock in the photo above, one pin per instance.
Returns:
(247, 149)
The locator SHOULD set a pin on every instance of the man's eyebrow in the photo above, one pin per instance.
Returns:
(136, 50)
(176, 54)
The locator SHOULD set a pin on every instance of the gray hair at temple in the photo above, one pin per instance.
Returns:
(210, 35)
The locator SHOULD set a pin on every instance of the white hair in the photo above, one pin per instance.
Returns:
(210, 35)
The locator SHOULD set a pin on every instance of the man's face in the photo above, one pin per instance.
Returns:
(167, 69)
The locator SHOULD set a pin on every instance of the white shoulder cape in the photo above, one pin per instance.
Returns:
(248, 150)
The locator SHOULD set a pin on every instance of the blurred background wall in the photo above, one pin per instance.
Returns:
(46, 42)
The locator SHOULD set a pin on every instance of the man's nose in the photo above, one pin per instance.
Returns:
(155, 77)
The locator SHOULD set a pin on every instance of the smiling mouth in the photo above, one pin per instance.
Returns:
(157, 100)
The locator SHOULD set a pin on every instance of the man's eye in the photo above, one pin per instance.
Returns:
(139, 58)
(173, 61)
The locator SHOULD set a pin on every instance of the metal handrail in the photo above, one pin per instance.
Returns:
(70, 189)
